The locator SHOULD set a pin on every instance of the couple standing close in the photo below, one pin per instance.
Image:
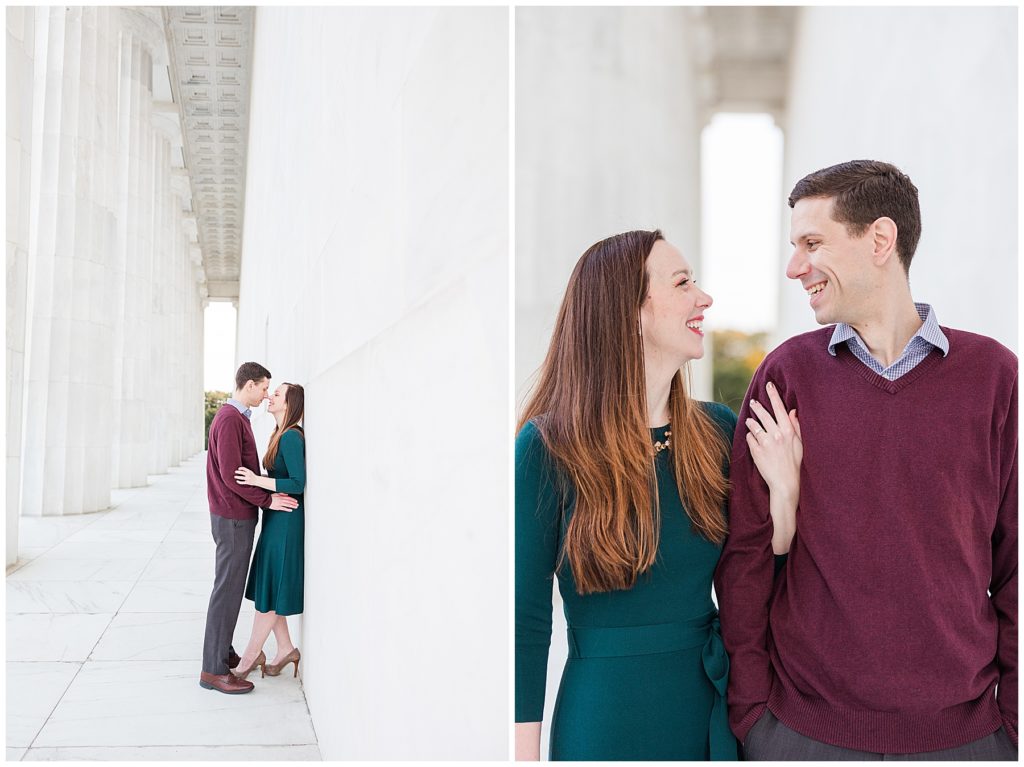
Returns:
(235, 489)
(887, 627)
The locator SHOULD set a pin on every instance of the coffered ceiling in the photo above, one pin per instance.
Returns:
(210, 52)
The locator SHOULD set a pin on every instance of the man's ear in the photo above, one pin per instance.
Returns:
(883, 240)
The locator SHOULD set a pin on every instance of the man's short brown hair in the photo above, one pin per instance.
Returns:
(863, 191)
(250, 371)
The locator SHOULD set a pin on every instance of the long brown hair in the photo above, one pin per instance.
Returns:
(294, 402)
(590, 406)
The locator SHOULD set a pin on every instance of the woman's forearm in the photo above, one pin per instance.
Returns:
(527, 741)
(267, 483)
(782, 506)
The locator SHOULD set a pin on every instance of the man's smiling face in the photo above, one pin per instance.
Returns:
(834, 268)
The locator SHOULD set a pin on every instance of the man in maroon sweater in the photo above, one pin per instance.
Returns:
(892, 630)
(233, 515)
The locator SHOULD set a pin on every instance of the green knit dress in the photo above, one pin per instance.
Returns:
(275, 576)
(646, 674)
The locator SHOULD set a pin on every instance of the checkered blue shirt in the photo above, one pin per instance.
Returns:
(929, 336)
(240, 407)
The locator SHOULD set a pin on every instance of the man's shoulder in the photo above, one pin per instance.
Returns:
(976, 345)
(799, 349)
(226, 417)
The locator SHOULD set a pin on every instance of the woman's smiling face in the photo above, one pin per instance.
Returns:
(672, 312)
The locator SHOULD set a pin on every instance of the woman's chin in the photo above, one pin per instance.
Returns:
(696, 354)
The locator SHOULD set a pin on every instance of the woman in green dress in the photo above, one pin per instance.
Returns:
(275, 575)
(621, 484)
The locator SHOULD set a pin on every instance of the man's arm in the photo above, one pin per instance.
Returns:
(744, 577)
(229, 458)
(1004, 571)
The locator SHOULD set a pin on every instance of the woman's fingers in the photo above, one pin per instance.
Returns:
(796, 423)
(754, 429)
(752, 443)
(777, 406)
(767, 422)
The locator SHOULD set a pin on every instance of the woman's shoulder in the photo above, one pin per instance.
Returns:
(529, 439)
(294, 435)
(722, 415)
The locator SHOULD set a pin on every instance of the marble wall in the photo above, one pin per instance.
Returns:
(375, 274)
(936, 94)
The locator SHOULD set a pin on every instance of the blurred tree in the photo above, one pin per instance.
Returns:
(735, 358)
(214, 399)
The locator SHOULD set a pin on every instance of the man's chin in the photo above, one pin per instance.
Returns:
(823, 318)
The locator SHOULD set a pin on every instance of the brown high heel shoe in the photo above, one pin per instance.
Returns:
(293, 657)
(261, 661)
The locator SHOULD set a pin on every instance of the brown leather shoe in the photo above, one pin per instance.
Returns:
(242, 673)
(226, 683)
(270, 669)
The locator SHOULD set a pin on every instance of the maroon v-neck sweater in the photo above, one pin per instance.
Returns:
(232, 445)
(881, 635)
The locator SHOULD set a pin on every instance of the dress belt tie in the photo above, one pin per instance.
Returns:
(705, 630)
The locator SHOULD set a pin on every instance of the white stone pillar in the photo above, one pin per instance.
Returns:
(48, 331)
(99, 405)
(156, 395)
(21, 65)
(76, 258)
(133, 376)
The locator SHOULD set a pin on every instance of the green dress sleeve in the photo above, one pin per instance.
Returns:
(537, 534)
(292, 449)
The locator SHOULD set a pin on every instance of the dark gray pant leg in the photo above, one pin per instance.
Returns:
(234, 539)
(771, 740)
(996, 747)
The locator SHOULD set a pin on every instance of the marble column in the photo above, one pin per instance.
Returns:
(21, 64)
(68, 360)
(100, 393)
(132, 378)
(47, 357)
(103, 295)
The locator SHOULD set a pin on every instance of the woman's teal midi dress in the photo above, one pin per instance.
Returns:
(275, 576)
(646, 674)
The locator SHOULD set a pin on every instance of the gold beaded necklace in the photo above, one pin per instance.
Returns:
(659, 445)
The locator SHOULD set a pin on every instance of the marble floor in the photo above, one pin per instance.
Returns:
(105, 619)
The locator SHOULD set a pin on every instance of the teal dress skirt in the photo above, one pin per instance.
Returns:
(647, 670)
(275, 576)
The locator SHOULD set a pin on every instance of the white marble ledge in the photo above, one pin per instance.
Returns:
(151, 703)
(173, 753)
(66, 637)
(25, 596)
